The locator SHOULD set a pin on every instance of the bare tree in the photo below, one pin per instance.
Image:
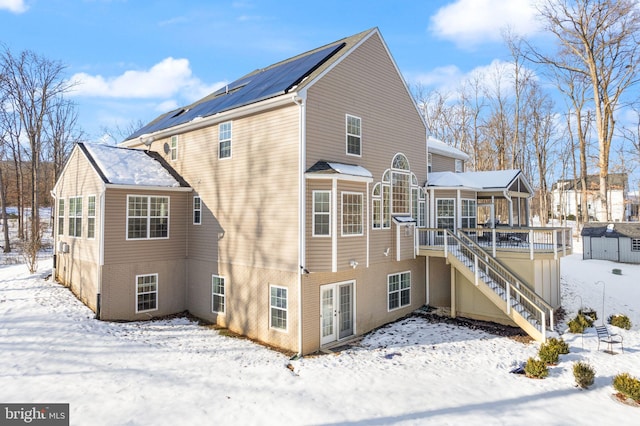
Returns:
(598, 40)
(33, 85)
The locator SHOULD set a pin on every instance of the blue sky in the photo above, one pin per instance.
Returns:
(136, 59)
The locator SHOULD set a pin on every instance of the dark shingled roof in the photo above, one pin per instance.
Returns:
(620, 229)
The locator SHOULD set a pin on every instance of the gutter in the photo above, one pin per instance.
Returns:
(202, 122)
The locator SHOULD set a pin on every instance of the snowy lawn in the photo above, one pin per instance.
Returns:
(176, 372)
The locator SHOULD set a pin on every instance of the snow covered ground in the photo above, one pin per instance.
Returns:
(175, 372)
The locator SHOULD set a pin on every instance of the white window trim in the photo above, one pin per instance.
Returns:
(406, 212)
(60, 230)
(157, 293)
(70, 216)
(398, 291)
(347, 134)
(230, 139)
(223, 295)
(282, 330)
(314, 213)
(362, 224)
(635, 242)
(462, 215)
(459, 166)
(429, 162)
(197, 197)
(437, 216)
(95, 222)
(173, 148)
(148, 197)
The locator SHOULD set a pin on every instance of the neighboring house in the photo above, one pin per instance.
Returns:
(564, 195)
(289, 206)
(619, 242)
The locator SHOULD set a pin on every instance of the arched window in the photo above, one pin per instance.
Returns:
(400, 185)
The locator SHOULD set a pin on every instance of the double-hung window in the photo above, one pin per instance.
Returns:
(147, 217)
(399, 290)
(445, 213)
(91, 216)
(321, 213)
(197, 210)
(354, 135)
(146, 292)
(217, 294)
(278, 307)
(75, 216)
(61, 216)
(468, 213)
(459, 165)
(173, 152)
(351, 213)
(224, 140)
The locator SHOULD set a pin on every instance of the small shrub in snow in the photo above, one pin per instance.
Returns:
(563, 347)
(621, 321)
(590, 314)
(627, 385)
(536, 368)
(584, 374)
(579, 323)
(548, 354)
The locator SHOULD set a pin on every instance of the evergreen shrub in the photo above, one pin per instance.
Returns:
(621, 321)
(549, 353)
(584, 374)
(578, 324)
(536, 368)
(627, 385)
(563, 347)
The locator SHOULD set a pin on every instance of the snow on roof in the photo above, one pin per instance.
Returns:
(474, 180)
(438, 147)
(345, 169)
(451, 179)
(124, 166)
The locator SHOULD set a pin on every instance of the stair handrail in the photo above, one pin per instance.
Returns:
(511, 291)
(510, 275)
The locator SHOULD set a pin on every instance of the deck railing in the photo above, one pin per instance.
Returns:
(510, 288)
(532, 240)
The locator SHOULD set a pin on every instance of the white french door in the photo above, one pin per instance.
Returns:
(336, 311)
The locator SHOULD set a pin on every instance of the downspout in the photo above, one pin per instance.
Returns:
(101, 252)
(55, 234)
(301, 101)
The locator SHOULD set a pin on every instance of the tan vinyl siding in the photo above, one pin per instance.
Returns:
(247, 300)
(319, 248)
(78, 268)
(119, 297)
(439, 282)
(249, 201)
(352, 247)
(390, 124)
(441, 163)
(117, 249)
(370, 297)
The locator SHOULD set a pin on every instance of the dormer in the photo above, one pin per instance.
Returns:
(444, 158)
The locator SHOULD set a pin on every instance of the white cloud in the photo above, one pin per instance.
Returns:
(168, 78)
(441, 77)
(15, 6)
(472, 22)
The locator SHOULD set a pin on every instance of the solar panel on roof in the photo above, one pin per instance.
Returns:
(255, 87)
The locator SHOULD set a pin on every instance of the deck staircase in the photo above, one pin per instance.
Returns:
(501, 286)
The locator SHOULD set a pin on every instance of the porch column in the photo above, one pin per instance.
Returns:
(453, 291)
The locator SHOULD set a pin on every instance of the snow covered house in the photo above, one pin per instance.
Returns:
(567, 198)
(291, 207)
